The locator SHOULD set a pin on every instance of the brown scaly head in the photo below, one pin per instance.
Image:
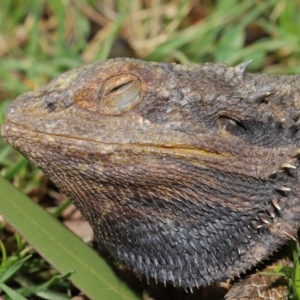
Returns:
(188, 175)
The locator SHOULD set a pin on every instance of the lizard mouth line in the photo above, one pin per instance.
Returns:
(12, 131)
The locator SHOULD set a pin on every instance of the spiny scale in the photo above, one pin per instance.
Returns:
(240, 69)
(288, 166)
(275, 202)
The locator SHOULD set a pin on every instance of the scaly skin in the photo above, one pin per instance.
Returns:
(188, 175)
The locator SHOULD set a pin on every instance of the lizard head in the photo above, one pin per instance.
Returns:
(180, 170)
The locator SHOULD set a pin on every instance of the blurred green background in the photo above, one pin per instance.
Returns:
(40, 39)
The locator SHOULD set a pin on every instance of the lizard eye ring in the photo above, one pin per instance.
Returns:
(120, 94)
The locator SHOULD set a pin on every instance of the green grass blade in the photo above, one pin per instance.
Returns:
(13, 269)
(60, 247)
(296, 279)
(11, 293)
(3, 255)
(55, 279)
(29, 289)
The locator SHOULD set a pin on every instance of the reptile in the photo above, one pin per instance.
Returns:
(188, 175)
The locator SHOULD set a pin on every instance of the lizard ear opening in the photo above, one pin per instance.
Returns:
(119, 94)
(232, 126)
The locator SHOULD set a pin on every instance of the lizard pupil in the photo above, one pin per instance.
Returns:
(122, 87)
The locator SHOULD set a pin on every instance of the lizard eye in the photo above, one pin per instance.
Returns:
(120, 94)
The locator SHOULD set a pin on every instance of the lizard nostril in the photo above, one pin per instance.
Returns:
(50, 106)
